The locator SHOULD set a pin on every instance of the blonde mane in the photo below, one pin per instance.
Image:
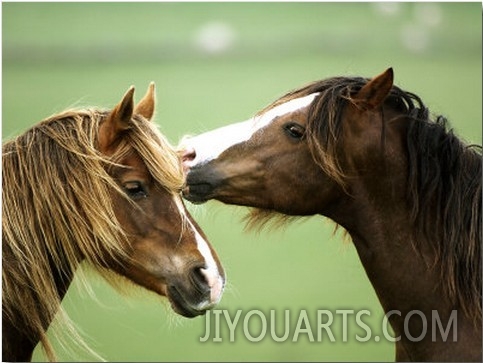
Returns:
(57, 209)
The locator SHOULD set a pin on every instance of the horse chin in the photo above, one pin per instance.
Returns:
(195, 198)
(180, 305)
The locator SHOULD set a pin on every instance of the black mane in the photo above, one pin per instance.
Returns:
(445, 176)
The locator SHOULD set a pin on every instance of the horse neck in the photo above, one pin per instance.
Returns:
(403, 277)
(379, 228)
(377, 215)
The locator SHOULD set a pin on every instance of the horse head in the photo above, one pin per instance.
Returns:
(291, 157)
(167, 251)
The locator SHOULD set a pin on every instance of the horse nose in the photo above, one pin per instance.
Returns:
(188, 154)
(209, 285)
(200, 281)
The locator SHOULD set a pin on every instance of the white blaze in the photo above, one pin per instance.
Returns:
(211, 144)
(211, 273)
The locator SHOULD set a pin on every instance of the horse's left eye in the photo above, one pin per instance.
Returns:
(294, 130)
(135, 189)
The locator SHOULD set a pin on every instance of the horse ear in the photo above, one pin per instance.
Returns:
(117, 121)
(373, 94)
(147, 105)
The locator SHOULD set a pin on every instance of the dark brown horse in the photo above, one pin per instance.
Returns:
(369, 156)
(100, 186)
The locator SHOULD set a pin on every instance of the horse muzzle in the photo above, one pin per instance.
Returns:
(201, 293)
(201, 183)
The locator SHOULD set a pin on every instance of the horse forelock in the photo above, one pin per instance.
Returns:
(324, 119)
(57, 209)
(158, 154)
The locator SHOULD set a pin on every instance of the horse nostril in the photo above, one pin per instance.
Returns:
(188, 154)
(199, 279)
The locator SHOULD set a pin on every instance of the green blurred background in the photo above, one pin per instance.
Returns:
(214, 64)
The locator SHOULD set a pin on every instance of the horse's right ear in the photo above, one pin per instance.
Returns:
(117, 121)
(374, 92)
(147, 105)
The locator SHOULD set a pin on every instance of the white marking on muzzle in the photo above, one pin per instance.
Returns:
(212, 275)
(211, 144)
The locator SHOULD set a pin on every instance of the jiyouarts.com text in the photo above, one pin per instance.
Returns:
(321, 325)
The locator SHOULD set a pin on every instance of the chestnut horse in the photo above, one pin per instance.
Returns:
(104, 187)
(369, 156)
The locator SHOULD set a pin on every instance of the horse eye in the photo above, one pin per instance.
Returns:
(135, 190)
(294, 130)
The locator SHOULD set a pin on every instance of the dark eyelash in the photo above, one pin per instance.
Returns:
(135, 189)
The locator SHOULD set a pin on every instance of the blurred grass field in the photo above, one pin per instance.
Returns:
(214, 64)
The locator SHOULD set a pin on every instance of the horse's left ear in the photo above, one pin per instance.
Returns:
(117, 121)
(373, 94)
(147, 105)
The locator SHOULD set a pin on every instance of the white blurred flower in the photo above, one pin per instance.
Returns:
(428, 14)
(387, 8)
(415, 38)
(215, 37)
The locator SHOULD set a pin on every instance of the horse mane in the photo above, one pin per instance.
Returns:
(444, 174)
(57, 210)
